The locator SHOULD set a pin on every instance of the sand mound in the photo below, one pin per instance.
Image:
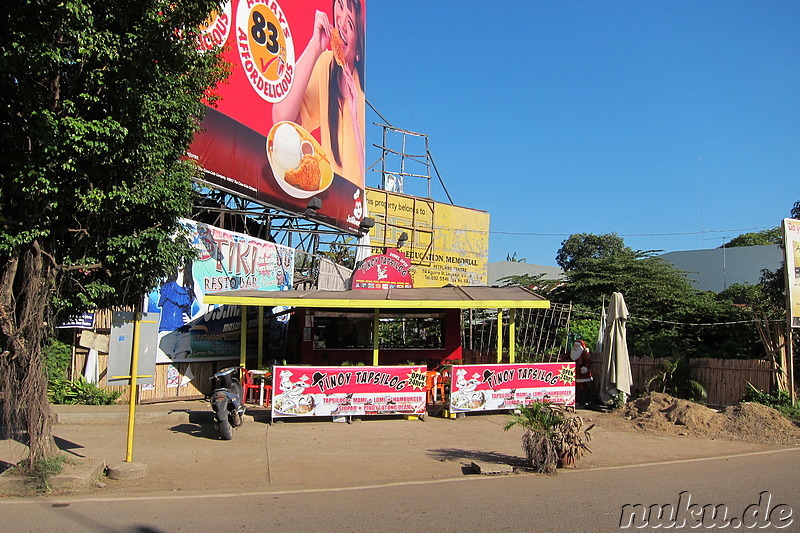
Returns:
(662, 411)
(749, 422)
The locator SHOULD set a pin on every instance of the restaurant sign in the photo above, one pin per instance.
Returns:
(345, 391)
(501, 387)
(391, 270)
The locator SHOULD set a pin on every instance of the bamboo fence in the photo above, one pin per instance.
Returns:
(724, 379)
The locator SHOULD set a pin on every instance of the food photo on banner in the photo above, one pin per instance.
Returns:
(289, 122)
(501, 387)
(348, 391)
(190, 330)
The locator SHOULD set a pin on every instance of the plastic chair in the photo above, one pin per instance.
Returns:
(435, 385)
(250, 383)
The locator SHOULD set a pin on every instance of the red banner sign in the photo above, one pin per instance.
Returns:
(386, 271)
(346, 391)
(501, 387)
(289, 123)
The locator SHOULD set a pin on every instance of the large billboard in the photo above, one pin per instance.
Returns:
(289, 123)
(445, 243)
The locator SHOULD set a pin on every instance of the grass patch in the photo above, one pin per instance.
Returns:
(43, 469)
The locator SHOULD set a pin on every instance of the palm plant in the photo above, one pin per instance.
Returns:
(675, 377)
(551, 435)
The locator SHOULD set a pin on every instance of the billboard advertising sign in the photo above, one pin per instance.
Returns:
(346, 391)
(446, 244)
(391, 270)
(502, 387)
(189, 329)
(791, 241)
(289, 122)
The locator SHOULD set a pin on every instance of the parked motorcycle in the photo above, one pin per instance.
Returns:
(226, 401)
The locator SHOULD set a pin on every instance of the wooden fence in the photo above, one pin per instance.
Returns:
(724, 379)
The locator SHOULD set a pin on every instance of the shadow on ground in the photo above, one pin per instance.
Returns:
(68, 446)
(203, 431)
(458, 454)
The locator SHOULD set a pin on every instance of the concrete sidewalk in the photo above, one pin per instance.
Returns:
(184, 453)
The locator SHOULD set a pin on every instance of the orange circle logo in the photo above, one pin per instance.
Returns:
(265, 48)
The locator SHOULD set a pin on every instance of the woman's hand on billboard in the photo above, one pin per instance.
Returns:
(289, 107)
(321, 37)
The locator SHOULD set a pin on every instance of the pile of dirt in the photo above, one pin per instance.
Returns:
(750, 422)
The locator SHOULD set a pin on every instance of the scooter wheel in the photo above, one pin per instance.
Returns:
(224, 424)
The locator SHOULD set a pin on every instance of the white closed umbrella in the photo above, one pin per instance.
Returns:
(615, 372)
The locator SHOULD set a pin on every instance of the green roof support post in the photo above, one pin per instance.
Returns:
(499, 335)
(375, 339)
(260, 337)
(243, 338)
(512, 335)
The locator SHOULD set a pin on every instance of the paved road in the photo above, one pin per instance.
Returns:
(582, 500)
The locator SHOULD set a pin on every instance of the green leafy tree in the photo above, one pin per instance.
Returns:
(767, 236)
(580, 246)
(100, 101)
(665, 307)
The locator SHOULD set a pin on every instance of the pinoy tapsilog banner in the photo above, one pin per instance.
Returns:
(188, 328)
(501, 387)
(791, 241)
(289, 123)
(346, 391)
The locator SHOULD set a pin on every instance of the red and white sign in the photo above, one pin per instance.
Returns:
(502, 387)
(391, 270)
(289, 121)
(346, 391)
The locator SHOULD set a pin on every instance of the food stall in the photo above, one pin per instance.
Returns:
(346, 327)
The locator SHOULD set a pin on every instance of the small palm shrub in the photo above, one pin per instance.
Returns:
(551, 435)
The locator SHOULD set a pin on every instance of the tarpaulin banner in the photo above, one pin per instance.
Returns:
(289, 122)
(503, 387)
(345, 391)
(391, 270)
(190, 329)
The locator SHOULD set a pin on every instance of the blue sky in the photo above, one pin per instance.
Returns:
(597, 117)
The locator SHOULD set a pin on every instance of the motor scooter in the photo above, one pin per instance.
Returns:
(226, 401)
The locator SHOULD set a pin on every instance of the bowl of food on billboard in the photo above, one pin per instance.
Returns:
(298, 161)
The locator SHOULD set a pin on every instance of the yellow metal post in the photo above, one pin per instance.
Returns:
(499, 335)
(260, 337)
(512, 335)
(137, 317)
(243, 339)
(375, 339)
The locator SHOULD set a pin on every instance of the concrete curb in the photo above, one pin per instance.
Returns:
(80, 475)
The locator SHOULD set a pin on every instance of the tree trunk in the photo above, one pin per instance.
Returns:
(25, 284)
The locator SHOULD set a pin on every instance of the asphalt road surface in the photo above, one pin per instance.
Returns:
(757, 489)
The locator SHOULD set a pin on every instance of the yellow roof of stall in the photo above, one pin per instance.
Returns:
(449, 297)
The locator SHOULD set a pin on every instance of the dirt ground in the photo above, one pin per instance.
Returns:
(185, 454)
(661, 414)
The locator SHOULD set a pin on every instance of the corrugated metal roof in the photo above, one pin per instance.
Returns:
(450, 297)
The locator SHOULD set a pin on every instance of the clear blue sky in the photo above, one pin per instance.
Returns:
(595, 117)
